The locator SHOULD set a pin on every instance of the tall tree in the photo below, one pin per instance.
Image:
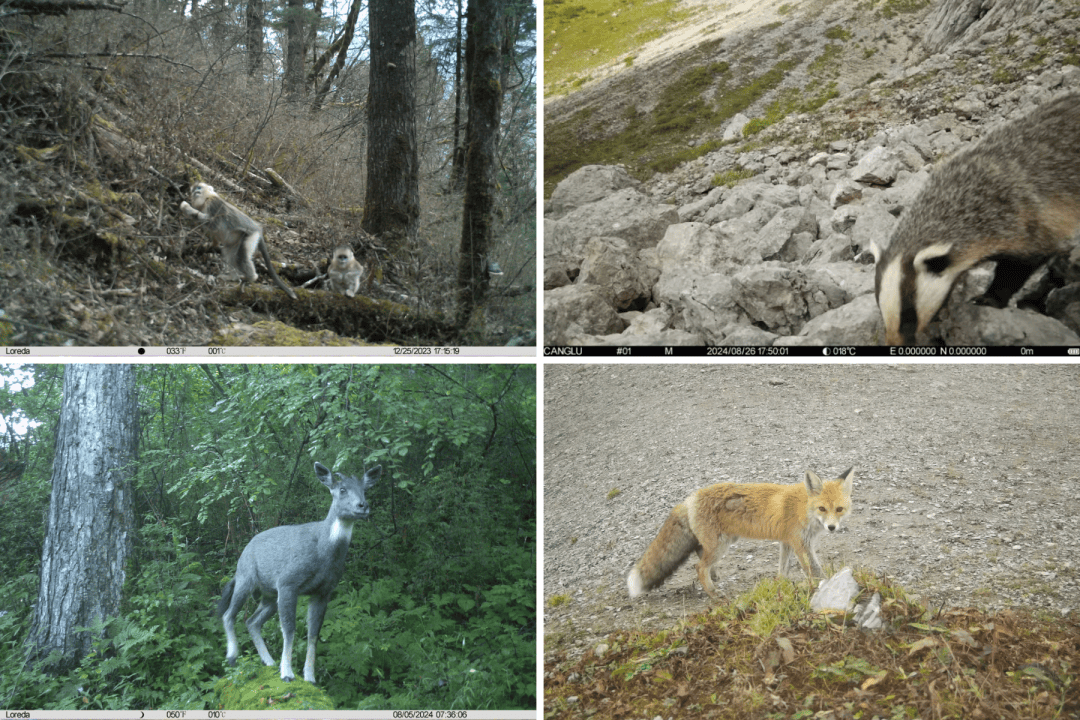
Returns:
(483, 67)
(392, 200)
(254, 19)
(457, 164)
(294, 52)
(89, 523)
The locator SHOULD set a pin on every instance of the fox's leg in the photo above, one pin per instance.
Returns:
(785, 558)
(709, 554)
(809, 561)
(815, 564)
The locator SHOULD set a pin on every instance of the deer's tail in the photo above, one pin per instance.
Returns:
(226, 597)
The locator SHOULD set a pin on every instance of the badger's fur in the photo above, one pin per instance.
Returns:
(1014, 197)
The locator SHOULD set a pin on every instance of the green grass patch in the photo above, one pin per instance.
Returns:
(730, 178)
(794, 100)
(582, 35)
(835, 32)
(827, 64)
(892, 8)
(700, 101)
(754, 126)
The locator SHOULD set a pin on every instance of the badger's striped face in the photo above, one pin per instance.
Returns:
(912, 288)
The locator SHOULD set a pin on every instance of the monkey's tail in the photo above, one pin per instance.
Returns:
(273, 274)
(672, 545)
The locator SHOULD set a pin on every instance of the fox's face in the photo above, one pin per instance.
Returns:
(829, 501)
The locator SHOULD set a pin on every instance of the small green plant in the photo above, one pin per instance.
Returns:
(614, 493)
(754, 126)
(558, 600)
(836, 32)
(729, 178)
(1003, 75)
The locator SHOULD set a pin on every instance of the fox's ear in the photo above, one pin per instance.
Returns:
(847, 476)
(813, 483)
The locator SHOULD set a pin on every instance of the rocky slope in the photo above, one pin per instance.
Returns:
(762, 242)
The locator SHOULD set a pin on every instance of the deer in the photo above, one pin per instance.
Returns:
(287, 561)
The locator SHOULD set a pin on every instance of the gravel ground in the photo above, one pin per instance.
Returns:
(966, 479)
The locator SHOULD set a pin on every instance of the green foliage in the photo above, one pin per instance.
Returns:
(473, 648)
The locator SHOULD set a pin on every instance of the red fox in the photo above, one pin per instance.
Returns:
(714, 517)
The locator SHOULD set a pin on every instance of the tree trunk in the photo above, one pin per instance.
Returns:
(255, 20)
(341, 46)
(294, 53)
(482, 66)
(315, 19)
(457, 165)
(218, 39)
(392, 199)
(88, 530)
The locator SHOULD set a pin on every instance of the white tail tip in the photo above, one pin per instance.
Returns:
(633, 583)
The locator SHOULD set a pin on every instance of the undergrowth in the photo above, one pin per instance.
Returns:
(468, 648)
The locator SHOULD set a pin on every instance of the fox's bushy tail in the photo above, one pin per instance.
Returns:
(672, 545)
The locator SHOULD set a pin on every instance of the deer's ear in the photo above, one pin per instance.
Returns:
(372, 475)
(324, 474)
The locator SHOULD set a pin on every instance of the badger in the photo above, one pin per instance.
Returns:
(1013, 198)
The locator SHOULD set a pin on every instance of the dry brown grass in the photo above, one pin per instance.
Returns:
(927, 663)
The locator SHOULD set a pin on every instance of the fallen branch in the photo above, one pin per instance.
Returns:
(84, 56)
(280, 182)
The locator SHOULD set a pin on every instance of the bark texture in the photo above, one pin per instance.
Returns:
(88, 532)
(392, 202)
(483, 67)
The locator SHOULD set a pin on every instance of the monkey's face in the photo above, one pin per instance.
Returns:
(201, 194)
(342, 257)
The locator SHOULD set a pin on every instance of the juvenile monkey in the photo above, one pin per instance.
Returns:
(345, 271)
(237, 234)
